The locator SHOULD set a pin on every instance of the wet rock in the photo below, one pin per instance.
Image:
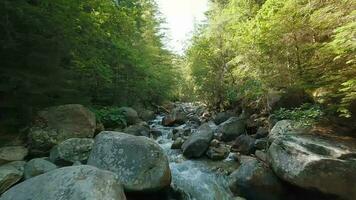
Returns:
(218, 153)
(261, 155)
(197, 144)
(261, 143)
(56, 124)
(38, 166)
(139, 162)
(324, 163)
(178, 116)
(147, 115)
(232, 128)
(71, 150)
(223, 116)
(177, 144)
(155, 133)
(12, 153)
(69, 183)
(255, 181)
(10, 174)
(130, 115)
(141, 129)
(244, 144)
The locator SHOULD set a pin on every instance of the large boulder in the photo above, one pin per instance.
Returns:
(253, 180)
(141, 129)
(147, 115)
(197, 144)
(232, 128)
(139, 162)
(71, 151)
(69, 183)
(38, 166)
(177, 116)
(285, 127)
(56, 124)
(314, 162)
(244, 144)
(130, 115)
(223, 116)
(12, 153)
(10, 174)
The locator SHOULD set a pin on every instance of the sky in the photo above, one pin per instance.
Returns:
(181, 16)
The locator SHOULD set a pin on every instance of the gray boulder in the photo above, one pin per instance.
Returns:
(261, 143)
(316, 162)
(255, 181)
(197, 144)
(10, 174)
(232, 128)
(147, 115)
(12, 153)
(223, 116)
(130, 115)
(244, 144)
(218, 153)
(141, 129)
(177, 116)
(71, 150)
(285, 127)
(139, 162)
(38, 166)
(177, 144)
(69, 183)
(56, 124)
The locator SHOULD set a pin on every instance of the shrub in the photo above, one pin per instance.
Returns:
(307, 114)
(111, 117)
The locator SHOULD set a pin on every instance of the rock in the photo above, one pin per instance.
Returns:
(261, 144)
(155, 133)
(218, 153)
(10, 174)
(288, 99)
(223, 116)
(261, 133)
(244, 144)
(139, 162)
(147, 115)
(197, 144)
(177, 144)
(71, 150)
(177, 116)
(130, 115)
(69, 183)
(141, 129)
(231, 129)
(12, 153)
(255, 181)
(261, 155)
(56, 124)
(215, 143)
(285, 127)
(316, 162)
(38, 166)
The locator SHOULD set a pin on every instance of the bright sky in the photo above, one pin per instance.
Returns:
(181, 16)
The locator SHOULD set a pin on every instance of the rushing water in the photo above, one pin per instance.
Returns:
(194, 178)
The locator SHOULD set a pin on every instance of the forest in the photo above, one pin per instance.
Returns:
(95, 104)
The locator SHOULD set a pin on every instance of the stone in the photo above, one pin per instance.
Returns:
(141, 129)
(322, 163)
(154, 133)
(261, 155)
(177, 144)
(198, 143)
(244, 144)
(261, 133)
(71, 150)
(38, 166)
(130, 115)
(254, 180)
(12, 153)
(285, 127)
(177, 116)
(218, 153)
(139, 162)
(69, 183)
(261, 143)
(223, 116)
(56, 124)
(147, 115)
(232, 128)
(215, 143)
(10, 174)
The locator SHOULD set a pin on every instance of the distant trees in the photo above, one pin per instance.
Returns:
(249, 47)
(92, 52)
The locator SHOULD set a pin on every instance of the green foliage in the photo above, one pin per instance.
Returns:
(111, 117)
(306, 114)
(278, 44)
(94, 52)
